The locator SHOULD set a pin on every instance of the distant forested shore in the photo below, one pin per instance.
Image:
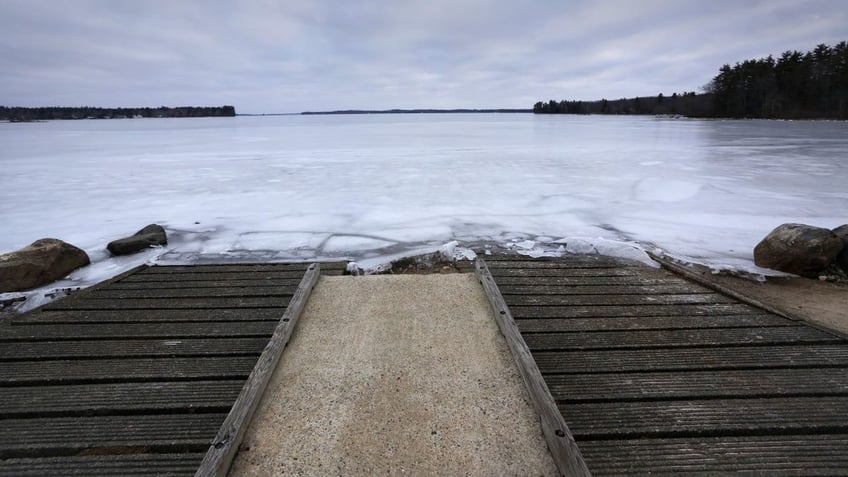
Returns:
(684, 104)
(48, 113)
(417, 111)
(811, 85)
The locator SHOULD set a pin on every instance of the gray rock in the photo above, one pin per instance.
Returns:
(842, 258)
(39, 263)
(149, 236)
(796, 248)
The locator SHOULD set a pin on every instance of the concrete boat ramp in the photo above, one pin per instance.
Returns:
(579, 365)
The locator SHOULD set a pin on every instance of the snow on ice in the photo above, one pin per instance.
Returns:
(372, 188)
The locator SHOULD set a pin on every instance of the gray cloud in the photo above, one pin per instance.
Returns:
(282, 56)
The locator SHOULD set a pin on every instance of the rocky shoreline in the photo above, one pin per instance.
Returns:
(803, 250)
(47, 260)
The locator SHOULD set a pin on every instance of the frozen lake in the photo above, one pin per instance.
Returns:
(313, 187)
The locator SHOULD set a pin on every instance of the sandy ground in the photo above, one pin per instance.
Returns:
(395, 374)
(816, 301)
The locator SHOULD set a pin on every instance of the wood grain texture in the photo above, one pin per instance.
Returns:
(48, 317)
(781, 455)
(658, 375)
(135, 376)
(52, 372)
(692, 417)
(232, 278)
(713, 337)
(184, 292)
(748, 383)
(618, 289)
(240, 268)
(691, 359)
(565, 272)
(82, 302)
(618, 300)
(682, 271)
(584, 280)
(224, 446)
(576, 311)
(561, 443)
(46, 437)
(94, 331)
(199, 284)
(548, 325)
(573, 263)
(130, 465)
(94, 399)
(131, 348)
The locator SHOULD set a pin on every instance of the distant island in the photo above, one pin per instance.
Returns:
(418, 111)
(17, 114)
(811, 85)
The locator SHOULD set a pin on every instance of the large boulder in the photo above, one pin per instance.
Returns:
(796, 248)
(150, 236)
(39, 263)
(842, 258)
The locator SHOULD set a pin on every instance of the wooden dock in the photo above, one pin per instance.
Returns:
(135, 376)
(637, 371)
(654, 374)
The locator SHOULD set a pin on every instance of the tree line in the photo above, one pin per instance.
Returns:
(683, 104)
(57, 112)
(796, 85)
(416, 111)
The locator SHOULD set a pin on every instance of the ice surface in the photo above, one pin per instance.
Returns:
(451, 251)
(374, 187)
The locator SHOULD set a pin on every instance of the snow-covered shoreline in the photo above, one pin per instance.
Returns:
(367, 188)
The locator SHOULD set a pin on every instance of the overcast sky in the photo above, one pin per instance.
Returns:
(295, 55)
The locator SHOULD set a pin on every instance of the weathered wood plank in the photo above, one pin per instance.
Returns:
(617, 300)
(695, 277)
(578, 311)
(231, 291)
(560, 442)
(178, 347)
(572, 263)
(210, 276)
(629, 280)
(235, 268)
(112, 370)
(783, 455)
(130, 465)
(117, 278)
(53, 332)
(648, 356)
(677, 338)
(224, 446)
(626, 420)
(693, 359)
(199, 284)
(548, 325)
(660, 289)
(163, 397)
(568, 388)
(46, 437)
(48, 317)
(565, 272)
(80, 302)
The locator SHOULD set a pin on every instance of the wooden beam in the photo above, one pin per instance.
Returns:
(561, 443)
(697, 278)
(220, 455)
